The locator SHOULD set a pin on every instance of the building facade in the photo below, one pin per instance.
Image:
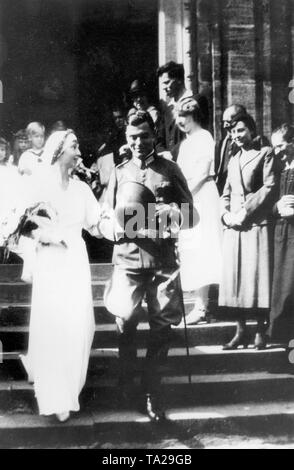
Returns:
(72, 59)
(239, 51)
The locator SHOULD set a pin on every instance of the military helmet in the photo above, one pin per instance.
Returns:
(134, 199)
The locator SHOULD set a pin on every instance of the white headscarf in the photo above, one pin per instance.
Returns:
(54, 146)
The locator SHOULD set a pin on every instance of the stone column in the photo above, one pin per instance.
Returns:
(187, 8)
(217, 69)
(239, 39)
(203, 45)
(3, 53)
(170, 19)
(281, 63)
(291, 81)
(263, 55)
(175, 35)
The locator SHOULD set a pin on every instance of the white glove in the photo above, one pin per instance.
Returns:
(286, 206)
(169, 219)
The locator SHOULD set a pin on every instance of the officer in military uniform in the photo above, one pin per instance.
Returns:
(145, 260)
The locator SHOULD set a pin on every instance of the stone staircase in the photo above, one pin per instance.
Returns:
(242, 391)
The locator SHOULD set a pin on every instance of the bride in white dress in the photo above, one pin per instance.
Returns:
(62, 318)
(200, 246)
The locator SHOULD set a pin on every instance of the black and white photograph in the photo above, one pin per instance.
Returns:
(146, 227)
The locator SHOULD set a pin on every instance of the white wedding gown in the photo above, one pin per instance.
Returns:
(62, 319)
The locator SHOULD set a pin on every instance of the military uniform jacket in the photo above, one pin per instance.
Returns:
(166, 181)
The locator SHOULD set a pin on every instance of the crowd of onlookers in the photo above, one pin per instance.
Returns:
(26, 147)
(242, 188)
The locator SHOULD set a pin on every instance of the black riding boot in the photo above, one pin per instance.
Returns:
(127, 363)
(156, 356)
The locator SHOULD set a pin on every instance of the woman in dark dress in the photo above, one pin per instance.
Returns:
(247, 203)
(281, 328)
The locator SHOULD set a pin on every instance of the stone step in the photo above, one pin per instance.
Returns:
(19, 313)
(218, 333)
(12, 272)
(114, 428)
(16, 293)
(202, 360)
(20, 293)
(206, 389)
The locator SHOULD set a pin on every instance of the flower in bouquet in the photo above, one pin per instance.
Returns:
(40, 219)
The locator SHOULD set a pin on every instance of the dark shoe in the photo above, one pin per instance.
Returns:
(240, 339)
(260, 341)
(151, 410)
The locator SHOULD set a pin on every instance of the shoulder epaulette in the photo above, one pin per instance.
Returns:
(123, 163)
(169, 161)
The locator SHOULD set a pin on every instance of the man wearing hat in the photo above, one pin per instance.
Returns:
(140, 100)
(144, 255)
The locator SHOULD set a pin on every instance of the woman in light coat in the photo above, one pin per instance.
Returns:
(247, 203)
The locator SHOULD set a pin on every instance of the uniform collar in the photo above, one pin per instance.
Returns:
(146, 161)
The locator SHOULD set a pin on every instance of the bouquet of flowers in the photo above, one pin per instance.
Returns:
(22, 232)
(36, 222)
